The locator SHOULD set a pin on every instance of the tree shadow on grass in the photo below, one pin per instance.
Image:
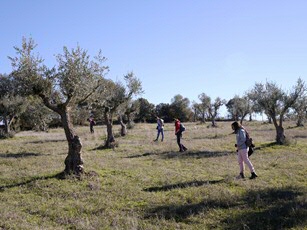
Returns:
(194, 183)
(20, 155)
(300, 136)
(46, 141)
(60, 175)
(266, 145)
(143, 155)
(187, 154)
(200, 154)
(273, 208)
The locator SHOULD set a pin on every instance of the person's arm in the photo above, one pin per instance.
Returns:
(241, 139)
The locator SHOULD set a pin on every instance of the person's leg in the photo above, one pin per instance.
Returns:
(178, 142)
(158, 134)
(240, 161)
(162, 134)
(249, 164)
(246, 160)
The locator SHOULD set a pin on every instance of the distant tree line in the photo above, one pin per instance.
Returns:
(34, 96)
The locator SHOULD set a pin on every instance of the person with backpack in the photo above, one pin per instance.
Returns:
(242, 150)
(179, 128)
(160, 128)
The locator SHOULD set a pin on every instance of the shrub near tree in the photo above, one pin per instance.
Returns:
(71, 82)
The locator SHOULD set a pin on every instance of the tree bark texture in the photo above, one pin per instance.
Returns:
(73, 161)
(280, 135)
(123, 130)
(110, 137)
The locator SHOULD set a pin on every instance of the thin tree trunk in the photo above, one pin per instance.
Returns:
(129, 122)
(6, 125)
(213, 122)
(123, 130)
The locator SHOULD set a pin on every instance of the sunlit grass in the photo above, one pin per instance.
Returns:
(144, 184)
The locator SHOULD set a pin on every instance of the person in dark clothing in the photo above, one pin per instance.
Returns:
(178, 133)
(92, 123)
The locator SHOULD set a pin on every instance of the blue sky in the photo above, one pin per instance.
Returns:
(188, 47)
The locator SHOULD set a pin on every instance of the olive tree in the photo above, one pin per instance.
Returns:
(203, 106)
(212, 108)
(72, 81)
(146, 111)
(276, 103)
(179, 108)
(239, 107)
(300, 108)
(111, 96)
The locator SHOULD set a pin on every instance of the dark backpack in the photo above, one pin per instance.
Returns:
(249, 143)
(182, 128)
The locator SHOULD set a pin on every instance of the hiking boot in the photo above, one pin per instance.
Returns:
(253, 176)
(240, 176)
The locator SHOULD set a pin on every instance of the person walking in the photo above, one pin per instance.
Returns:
(160, 128)
(178, 133)
(242, 150)
(92, 123)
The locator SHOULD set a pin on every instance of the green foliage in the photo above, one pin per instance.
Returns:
(238, 107)
(276, 102)
(179, 108)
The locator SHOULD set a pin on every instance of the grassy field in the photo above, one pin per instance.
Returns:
(143, 184)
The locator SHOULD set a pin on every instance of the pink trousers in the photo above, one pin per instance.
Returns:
(243, 158)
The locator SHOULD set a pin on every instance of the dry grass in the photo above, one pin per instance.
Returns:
(150, 185)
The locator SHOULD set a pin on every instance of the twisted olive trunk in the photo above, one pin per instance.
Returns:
(73, 161)
(280, 135)
(123, 130)
(280, 132)
(110, 136)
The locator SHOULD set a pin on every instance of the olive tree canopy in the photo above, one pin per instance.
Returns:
(72, 81)
(276, 102)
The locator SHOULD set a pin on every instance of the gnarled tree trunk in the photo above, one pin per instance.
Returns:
(110, 136)
(73, 161)
(280, 135)
(123, 130)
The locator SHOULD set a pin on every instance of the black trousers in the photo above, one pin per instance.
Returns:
(181, 146)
